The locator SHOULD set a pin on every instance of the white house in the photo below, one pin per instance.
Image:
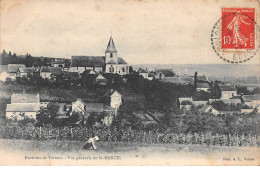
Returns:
(23, 105)
(24, 72)
(227, 91)
(59, 63)
(116, 99)
(143, 73)
(45, 73)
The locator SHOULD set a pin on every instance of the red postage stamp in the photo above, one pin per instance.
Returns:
(238, 28)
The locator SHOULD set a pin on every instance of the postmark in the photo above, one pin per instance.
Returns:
(235, 36)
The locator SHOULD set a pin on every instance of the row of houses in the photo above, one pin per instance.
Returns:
(28, 105)
(251, 101)
(109, 63)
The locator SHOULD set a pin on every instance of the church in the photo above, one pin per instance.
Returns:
(110, 63)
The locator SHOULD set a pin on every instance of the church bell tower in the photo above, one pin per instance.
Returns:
(111, 52)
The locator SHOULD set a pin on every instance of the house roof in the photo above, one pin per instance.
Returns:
(142, 71)
(59, 62)
(205, 108)
(45, 69)
(226, 101)
(166, 72)
(21, 107)
(72, 75)
(12, 68)
(227, 88)
(87, 61)
(101, 77)
(112, 92)
(56, 70)
(111, 48)
(179, 80)
(202, 78)
(231, 101)
(25, 98)
(94, 107)
(203, 85)
(26, 70)
(182, 99)
(198, 103)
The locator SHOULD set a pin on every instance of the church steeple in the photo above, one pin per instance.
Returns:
(111, 48)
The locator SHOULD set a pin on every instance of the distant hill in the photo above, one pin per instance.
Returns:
(208, 69)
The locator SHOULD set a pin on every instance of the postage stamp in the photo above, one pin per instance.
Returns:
(235, 36)
(238, 28)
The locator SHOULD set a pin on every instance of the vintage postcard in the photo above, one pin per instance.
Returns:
(129, 82)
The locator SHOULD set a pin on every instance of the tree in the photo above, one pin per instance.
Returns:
(47, 115)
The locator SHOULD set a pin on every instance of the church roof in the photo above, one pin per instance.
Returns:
(111, 46)
(87, 61)
(121, 60)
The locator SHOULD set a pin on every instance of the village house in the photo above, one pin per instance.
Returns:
(203, 87)
(86, 109)
(184, 103)
(202, 79)
(209, 109)
(25, 72)
(12, 70)
(91, 77)
(227, 91)
(198, 103)
(115, 98)
(142, 72)
(48, 72)
(110, 63)
(252, 101)
(163, 73)
(23, 105)
(151, 75)
(227, 101)
(58, 63)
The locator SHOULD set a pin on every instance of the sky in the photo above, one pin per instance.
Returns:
(144, 32)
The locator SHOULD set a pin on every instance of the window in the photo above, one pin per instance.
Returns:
(111, 55)
(123, 69)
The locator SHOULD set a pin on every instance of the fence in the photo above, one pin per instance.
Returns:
(118, 135)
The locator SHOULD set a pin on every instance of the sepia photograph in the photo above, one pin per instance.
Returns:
(129, 83)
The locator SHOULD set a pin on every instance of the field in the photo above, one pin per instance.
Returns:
(111, 153)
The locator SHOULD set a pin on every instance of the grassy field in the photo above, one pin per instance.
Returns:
(129, 153)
